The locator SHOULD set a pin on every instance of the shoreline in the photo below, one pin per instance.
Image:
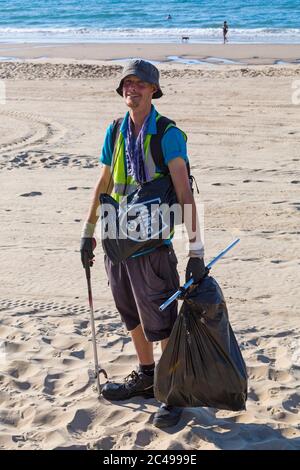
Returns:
(186, 53)
(165, 32)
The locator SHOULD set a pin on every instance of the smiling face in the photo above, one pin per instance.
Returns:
(137, 93)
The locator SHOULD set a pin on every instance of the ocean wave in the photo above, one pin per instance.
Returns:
(196, 35)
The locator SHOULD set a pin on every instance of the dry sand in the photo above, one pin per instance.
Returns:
(262, 54)
(243, 134)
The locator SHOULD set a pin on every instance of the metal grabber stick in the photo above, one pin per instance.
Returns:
(188, 284)
(88, 279)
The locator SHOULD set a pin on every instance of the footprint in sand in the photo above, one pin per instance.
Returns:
(296, 205)
(223, 184)
(33, 193)
(292, 403)
(79, 354)
(278, 202)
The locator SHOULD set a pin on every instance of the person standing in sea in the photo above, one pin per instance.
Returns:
(225, 31)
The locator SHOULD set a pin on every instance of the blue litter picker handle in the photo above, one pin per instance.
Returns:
(191, 281)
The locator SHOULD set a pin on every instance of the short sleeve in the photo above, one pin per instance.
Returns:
(173, 145)
(107, 149)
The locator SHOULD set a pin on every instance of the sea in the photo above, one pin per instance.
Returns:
(57, 21)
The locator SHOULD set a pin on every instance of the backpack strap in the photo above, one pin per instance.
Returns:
(162, 125)
(116, 125)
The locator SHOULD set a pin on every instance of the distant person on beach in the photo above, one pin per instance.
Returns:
(225, 31)
(169, 17)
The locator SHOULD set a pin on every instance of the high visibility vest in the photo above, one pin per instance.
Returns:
(124, 184)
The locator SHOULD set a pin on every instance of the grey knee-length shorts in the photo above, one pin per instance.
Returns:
(140, 285)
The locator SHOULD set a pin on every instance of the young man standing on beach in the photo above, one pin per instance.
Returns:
(141, 283)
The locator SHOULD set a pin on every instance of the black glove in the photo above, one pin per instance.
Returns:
(87, 245)
(195, 269)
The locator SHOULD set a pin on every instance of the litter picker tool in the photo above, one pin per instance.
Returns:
(188, 284)
(98, 370)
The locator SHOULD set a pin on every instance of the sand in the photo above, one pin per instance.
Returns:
(243, 137)
(260, 54)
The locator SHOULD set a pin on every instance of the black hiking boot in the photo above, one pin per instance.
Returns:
(135, 384)
(167, 416)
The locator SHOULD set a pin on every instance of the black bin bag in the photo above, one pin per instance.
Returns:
(143, 221)
(202, 364)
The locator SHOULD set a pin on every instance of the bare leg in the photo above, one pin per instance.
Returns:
(144, 349)
(163, 344)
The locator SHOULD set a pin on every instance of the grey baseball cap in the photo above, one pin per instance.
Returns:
(144, 71)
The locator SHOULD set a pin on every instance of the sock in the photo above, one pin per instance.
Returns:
(147, 369)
